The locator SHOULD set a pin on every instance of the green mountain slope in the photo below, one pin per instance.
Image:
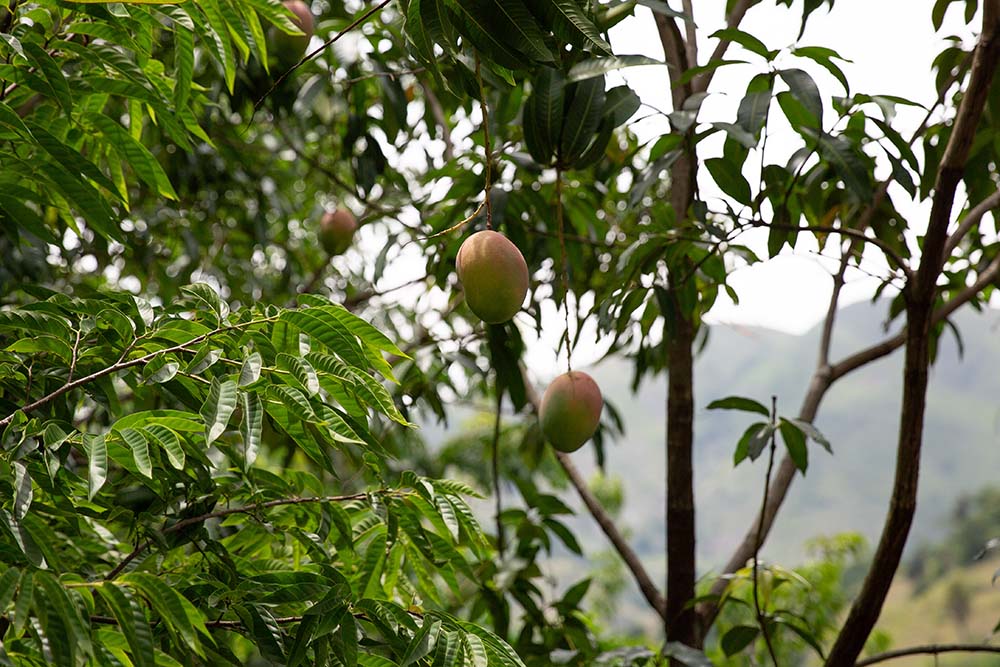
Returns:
(845, 492)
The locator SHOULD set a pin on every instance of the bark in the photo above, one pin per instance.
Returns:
(920, 301)
(681, 619)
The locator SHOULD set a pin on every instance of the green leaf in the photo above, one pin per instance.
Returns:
(169, 604)
(301, 371)
(568, 21)
(592, 67)
(752, 442)
(795, 442)
(620, 103)
(729, 178)
(738, 638)
(218, 408)
(250, 370)
(512, 19)
(135, 154)
(752, 112)
(739, 403)
(132, 621)
(251, 428)
(97, 466)
(422, 644)
(823, 57)
(746, 40)
(583, 116)
(322, 325)
(480, 32)
(168, 441)
(543, 114)
(22, 490)
(75, 632)
(805, 90)
(812, 432)
(219, 40)
(54, 77)
(140, 450)
(847, 162)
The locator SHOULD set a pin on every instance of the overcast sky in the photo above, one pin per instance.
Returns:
(891, 43)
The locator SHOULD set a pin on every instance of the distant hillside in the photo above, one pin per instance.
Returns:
(845, 492)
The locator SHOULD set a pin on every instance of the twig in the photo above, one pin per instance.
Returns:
(603, 519)
(487, 171)
(122, 365)
(496, 473)
(245, 509)
(927, 649)
(438, 112)
(971, 219)
(760, 533)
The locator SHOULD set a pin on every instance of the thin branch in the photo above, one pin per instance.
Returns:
(733, 20)
(438, 112)
(690, 34)
(884, 347)
(760, 534)
(843, 231)
(972, 219)
(919, 294)
(122, 365)
(218, 514)
(927, 649)
(603, 519)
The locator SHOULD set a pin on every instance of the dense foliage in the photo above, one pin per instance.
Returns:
(207, 453)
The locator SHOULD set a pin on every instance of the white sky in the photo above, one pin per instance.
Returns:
(891, 44)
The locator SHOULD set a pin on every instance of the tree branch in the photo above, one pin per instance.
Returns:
(919, 293)
(927, 649)
(603, 519)
(733, 20)
(972, 219)
(690, 34)
(218, 514)
(438, 112)
(122, 365)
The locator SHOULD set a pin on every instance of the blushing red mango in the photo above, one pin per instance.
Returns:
(570, 411)
(494, 276)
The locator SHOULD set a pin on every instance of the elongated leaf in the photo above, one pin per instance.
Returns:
(140, 450)
(543, 114)
(168, 441)
(132, 622)
(168, 603)
(218, 408)
(301, 371)
(97, 463)
(512, 19)
(729, 178)
(22, 490)
(76, 633)
(135, 154)
(795, 442)
(567, 20)
(583, 116)
(250, 370)
(752, 112)
(805, 91)
(746, 40)
(739, 403)
(598, 66)
(251, 428)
